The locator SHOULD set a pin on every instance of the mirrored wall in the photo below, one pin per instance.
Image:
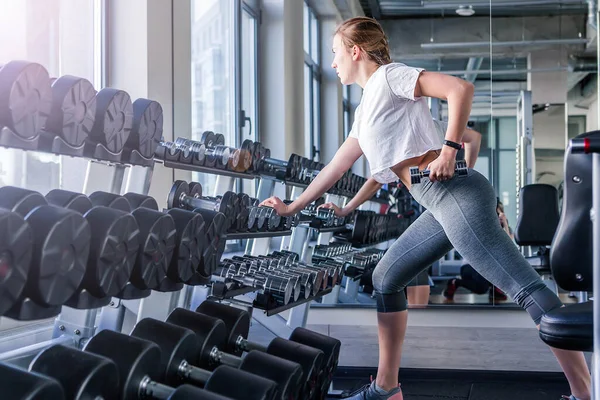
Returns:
(534, 68)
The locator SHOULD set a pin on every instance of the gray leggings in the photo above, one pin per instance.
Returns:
(461, 213)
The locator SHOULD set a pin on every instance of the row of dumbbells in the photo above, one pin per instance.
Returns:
(193, 354)
(242, 212)
(71, 117)
(298, 169)
(355, 261)
(280, 275)
(369, 227)
(70, 249)
(211, 151)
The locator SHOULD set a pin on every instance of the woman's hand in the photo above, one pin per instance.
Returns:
(339, 212)
(280, 207)
(442, 168)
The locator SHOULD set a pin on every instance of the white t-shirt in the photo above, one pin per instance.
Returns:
(391, 125)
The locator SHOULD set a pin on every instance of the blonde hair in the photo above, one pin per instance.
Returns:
(367, 34)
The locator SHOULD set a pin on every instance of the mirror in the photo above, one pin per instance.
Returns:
(534, 71)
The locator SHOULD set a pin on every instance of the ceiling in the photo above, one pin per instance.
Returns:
(398, 9)
(514, 65)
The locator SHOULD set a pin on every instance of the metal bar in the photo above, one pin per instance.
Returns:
(112, 316)
(223, 184)
(541, 42)
(139, 179)
(30, 351)
(596, 274)
(285, 242)
(96, 178)
(79, 324)
(495, 3)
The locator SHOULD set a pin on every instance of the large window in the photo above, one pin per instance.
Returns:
(224, 70)
(65, 37)
(312, 82)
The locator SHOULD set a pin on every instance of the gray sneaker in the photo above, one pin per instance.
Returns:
(371, 392)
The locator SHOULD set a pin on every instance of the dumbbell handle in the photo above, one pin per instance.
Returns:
(243, 344)
(193, 374)
(194, 202)
(220, 357)
(275, 162)
(416, 175)
(154, 390)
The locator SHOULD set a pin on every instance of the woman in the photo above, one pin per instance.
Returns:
(394, 129)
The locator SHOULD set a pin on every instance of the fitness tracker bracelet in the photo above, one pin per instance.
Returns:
(452, 144)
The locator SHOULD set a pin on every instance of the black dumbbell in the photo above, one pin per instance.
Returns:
(113, 120)
(180, 197)
(61, 245)
(279, 287)
(306, 279)
(88, 375)
(210, 337)
(114, 247)
(16, 247)
(18, 383)
(73, 111)
(416, 176)
(21, 81)
(143, 367)
(237, 322)
(158, 235)
(147, 127)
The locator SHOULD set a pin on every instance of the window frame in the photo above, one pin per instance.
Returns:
(312, 60)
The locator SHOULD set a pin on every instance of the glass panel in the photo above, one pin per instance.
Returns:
(306, 29)
(507, 133)
(316, 131)
(212, 74)
(248, 62)
(58, 34)
(507, 183)
(249, 95)
(314, 38)
(307, 112)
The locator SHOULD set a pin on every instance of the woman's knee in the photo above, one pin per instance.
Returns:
(537, 299)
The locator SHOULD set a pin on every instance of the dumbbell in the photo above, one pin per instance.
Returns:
(20, 82)
(306, 279)
(263, 219)
(113, 120)
(280, 287)
(416, 176)
(61, 245)
(237, 322)
(147, 128)
(179, 197)
(114, 247)
(88, 376)
(18, 383)
(209, 334)
(158, 235)
(191, 150)
(16, 247)
(73, 111)
(323, 272)
(139, 363)
(279, 169)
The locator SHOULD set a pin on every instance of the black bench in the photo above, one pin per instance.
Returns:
(571, 256)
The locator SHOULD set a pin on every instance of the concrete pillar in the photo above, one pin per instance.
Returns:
(140, 46)
(282, 77)
(537, 82)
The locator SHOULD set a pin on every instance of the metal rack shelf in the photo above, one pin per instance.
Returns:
(198, 168)
(279, 309)
(256, 235)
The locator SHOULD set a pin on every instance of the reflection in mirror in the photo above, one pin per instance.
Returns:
(533, 67)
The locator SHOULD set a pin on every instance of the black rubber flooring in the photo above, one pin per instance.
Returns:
(428, 384)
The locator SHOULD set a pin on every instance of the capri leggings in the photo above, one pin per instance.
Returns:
(461, 213)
